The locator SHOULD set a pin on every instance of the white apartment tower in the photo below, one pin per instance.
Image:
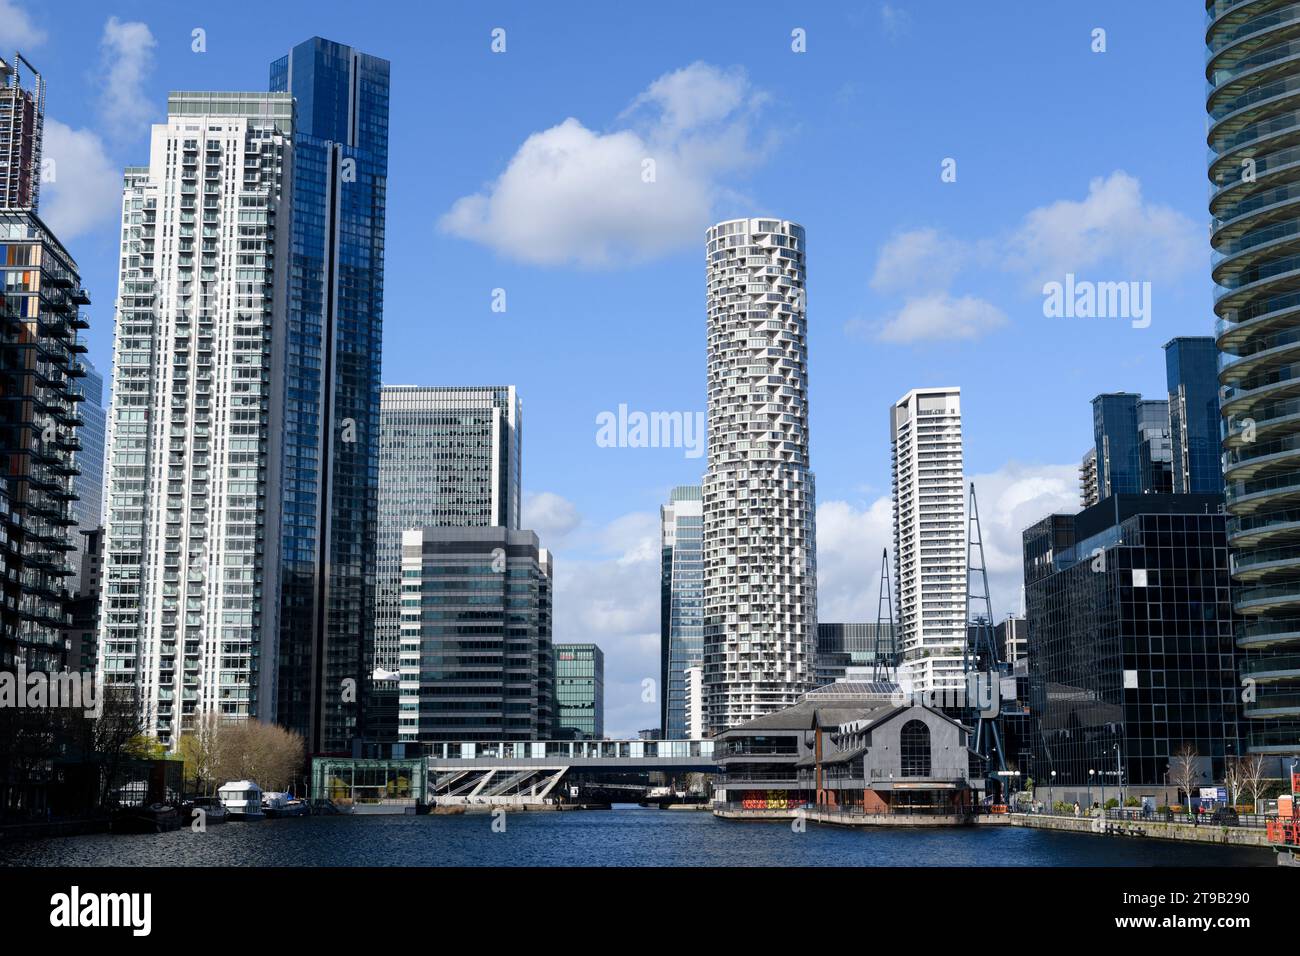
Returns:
(929, 536)
(192, 528)
(760, 577)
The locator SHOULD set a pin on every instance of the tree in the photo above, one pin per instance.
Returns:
(1234, 778)
(199, 751)
(1183, 770)
(264, 753)
(117, 725)
(1253, 775)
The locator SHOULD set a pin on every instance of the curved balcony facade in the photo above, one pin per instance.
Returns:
(1253, 70)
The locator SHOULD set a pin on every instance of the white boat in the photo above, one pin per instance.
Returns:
(283, 805)
(242, 799)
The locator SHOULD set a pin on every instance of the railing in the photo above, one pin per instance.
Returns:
(1253, 821)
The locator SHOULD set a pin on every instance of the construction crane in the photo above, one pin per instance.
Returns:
(883, 666)
(980, 650)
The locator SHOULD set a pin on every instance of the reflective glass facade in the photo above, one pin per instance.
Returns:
(448, 457)
(1253, 103)
(476, 657)
(1133, 451)
(580, 691)
(681, 613)
(1130, 632)
(842, 647)
(330, 441)
(89, 483)
(1192, 370)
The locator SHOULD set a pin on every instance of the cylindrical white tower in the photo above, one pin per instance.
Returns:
(760, 578)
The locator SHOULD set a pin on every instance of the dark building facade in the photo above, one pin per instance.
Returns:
(330, 441)
(1130, 632)
(848, 651)
(1131, 441)
(476, 660)
(1192, 371)
(40, 320)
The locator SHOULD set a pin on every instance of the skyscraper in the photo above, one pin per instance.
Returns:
(681, 613)
(1252, 103)
(1192, 371)
(449, 456)
(760, 570)
(22, 118)
(192, 530)
(89, 483)
(1088, 479)
(929, 536)
(329, 445)
(40, 300)
(1134, 454)
(476, 659)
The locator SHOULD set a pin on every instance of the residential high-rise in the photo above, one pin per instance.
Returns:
(1192, 371)
(192, 528)
(329, 445)
(476, 659)
(1130, 639)
(681, 614)
(449, 456)
(1088, 479)
(760, 564)
(22, 117)
(1255, 232)
(929, 537)
(1134, 455)
(40, 300)
(1011, 636)
(89, 484)
(579, 692)
(695, 726)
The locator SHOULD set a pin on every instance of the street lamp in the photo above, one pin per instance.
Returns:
(1091, 773)
(1052, 790)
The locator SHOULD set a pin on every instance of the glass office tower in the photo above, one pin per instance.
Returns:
(681, 612)
(1134, 455)
(330, 440)
(449, 456)
(476, 659)
(1254, 143)
(579, 692)
(89, 483)
(1130, 642)
(1192, 370)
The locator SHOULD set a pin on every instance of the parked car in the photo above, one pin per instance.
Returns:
(1225, 816)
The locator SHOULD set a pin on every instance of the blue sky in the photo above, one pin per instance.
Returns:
(520, 171)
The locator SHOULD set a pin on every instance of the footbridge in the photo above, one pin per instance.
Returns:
(528, 772)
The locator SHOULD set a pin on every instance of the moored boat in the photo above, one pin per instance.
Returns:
(213, 811)
(153, 818)
(283, 805)
(242, 799)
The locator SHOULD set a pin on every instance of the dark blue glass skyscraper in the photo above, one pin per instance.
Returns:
(330, 458)
(1131, 435)
(1192, 364)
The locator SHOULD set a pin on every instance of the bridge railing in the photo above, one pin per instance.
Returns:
(688, 750)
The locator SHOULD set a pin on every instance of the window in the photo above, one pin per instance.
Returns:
(914, 746)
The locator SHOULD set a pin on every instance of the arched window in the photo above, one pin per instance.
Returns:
(914, 748)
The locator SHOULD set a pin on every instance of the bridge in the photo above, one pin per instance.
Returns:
(527, 772)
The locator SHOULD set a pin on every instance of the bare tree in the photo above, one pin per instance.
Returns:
(1234, 778)
(1253, 776)
(264, 753)
(1182, 770)
(114, 733)
(199, 750)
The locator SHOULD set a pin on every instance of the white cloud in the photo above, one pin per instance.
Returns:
(895, 21)
(1113, 224)
(17, 31)
(126, 53)
(1113, 227)
(942, 317)
(551, 516)
(850, 538)
(573, 194)
(917, 257)
(86, 191)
